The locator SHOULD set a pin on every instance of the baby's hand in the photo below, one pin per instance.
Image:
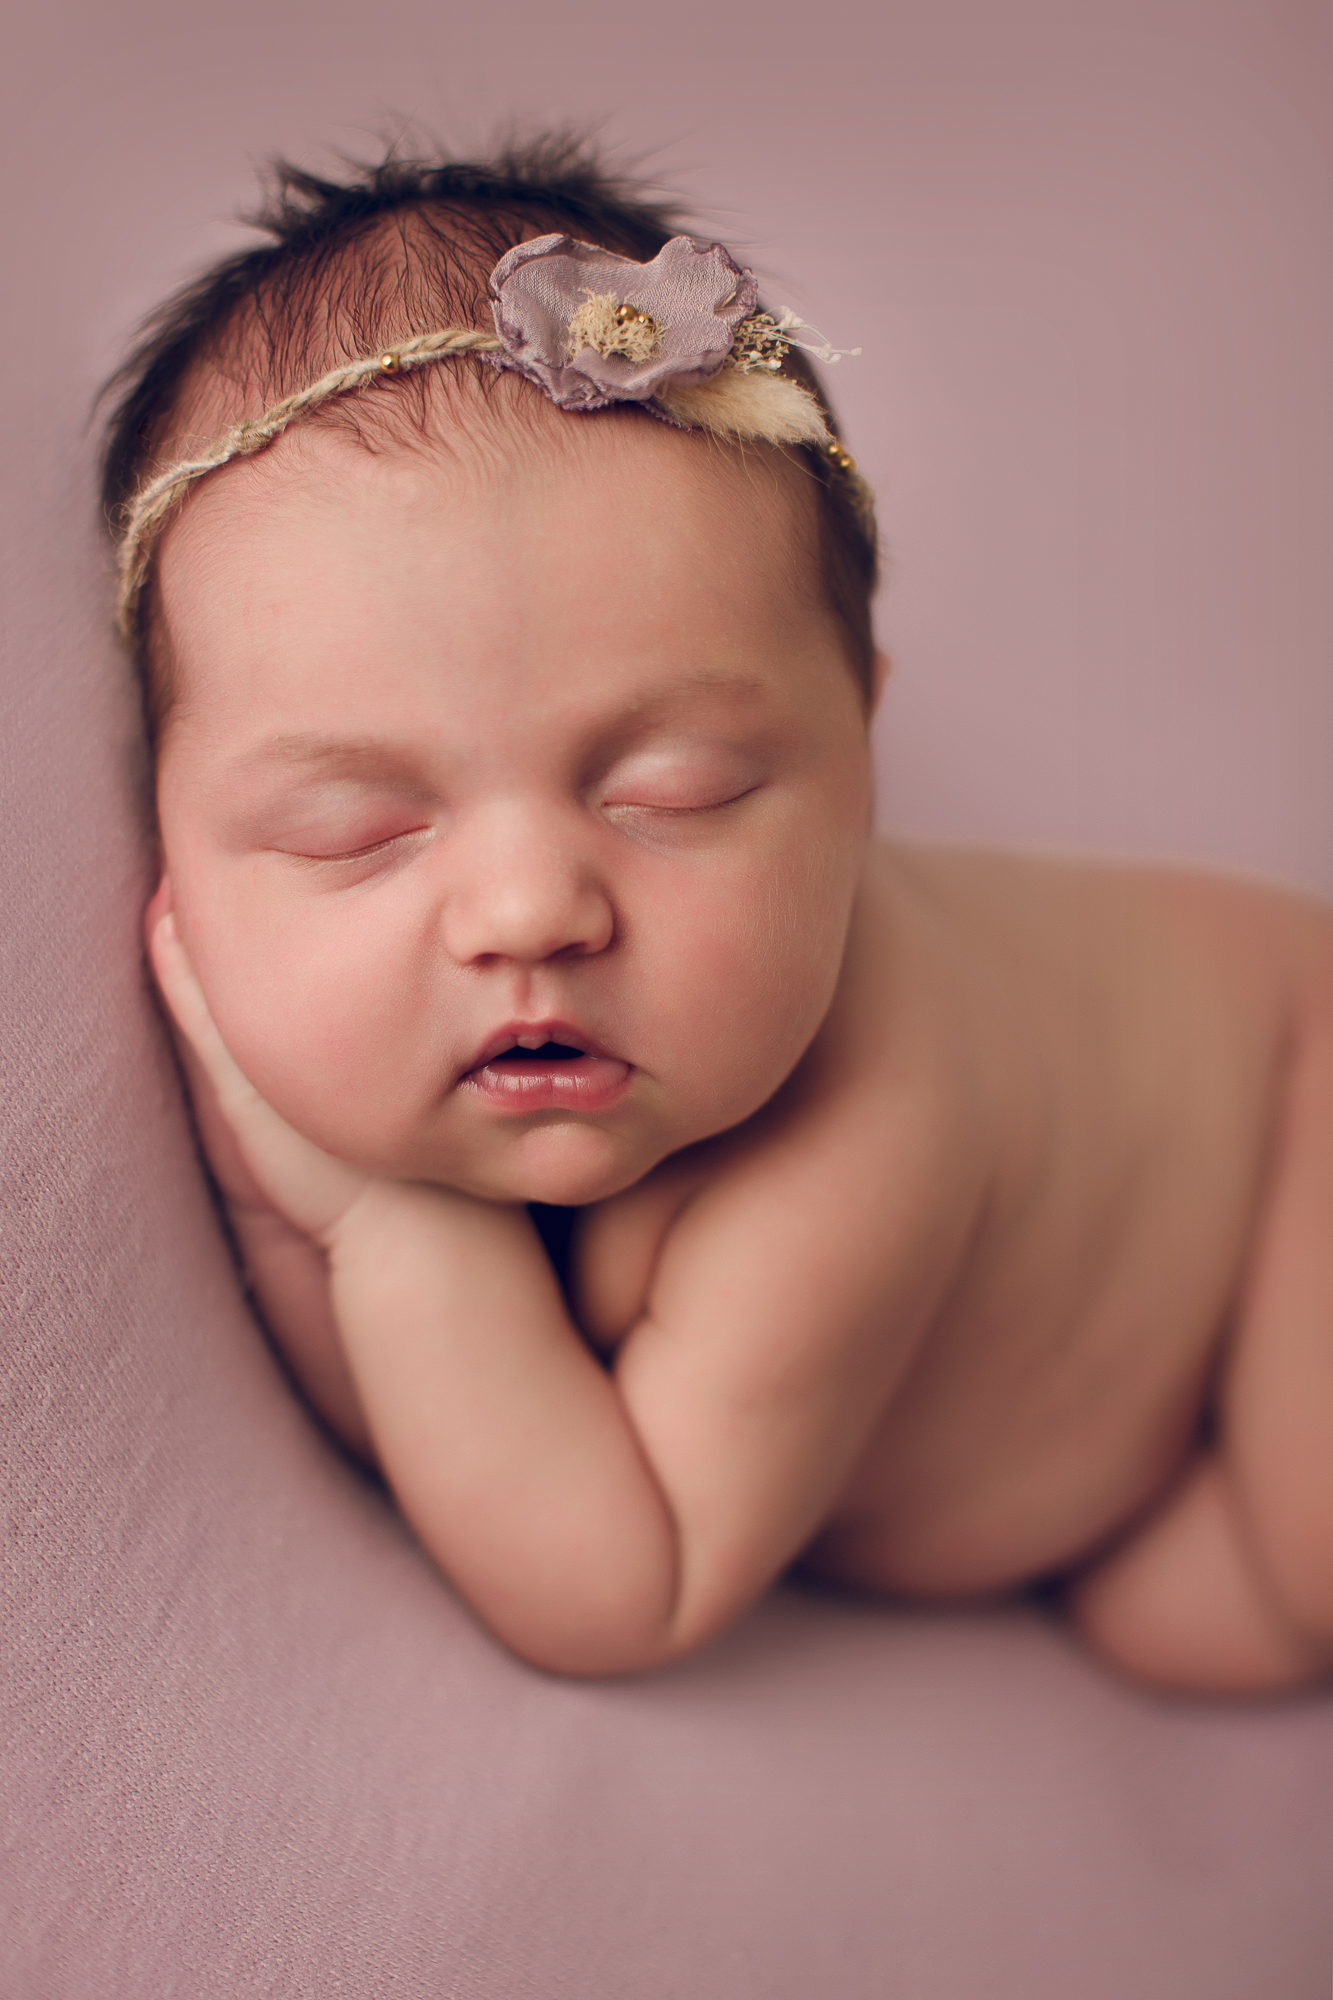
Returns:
(260, 1161)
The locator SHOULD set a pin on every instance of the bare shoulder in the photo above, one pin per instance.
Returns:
(1127, 923)
(1132, 1024)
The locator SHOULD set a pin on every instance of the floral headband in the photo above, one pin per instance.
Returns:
(682, 336)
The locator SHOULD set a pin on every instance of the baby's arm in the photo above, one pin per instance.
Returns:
(603, 1522)
(288, 1277)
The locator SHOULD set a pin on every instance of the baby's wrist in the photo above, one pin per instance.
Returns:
(383, 1208)
(370, 1212)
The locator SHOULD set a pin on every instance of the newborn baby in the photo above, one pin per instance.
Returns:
(942, 1222)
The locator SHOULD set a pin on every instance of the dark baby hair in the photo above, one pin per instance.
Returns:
(398, 248)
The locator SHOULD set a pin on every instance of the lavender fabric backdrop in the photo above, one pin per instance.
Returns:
(249, 1744)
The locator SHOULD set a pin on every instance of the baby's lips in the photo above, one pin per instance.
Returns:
(535, 1082)
(528, 1080)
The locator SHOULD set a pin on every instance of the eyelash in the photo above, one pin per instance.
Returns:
(680, 812)
(356, 853)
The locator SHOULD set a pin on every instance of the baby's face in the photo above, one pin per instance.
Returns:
(476, 754)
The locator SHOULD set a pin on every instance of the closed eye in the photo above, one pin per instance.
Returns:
(681, 777)
(351, 854)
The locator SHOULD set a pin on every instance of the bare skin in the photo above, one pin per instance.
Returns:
(947, 1221)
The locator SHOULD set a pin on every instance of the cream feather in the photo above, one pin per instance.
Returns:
(741, 404)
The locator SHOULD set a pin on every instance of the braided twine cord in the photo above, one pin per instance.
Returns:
(795, 419)
(154, 502)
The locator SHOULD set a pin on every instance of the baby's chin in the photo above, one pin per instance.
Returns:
(567, 1162)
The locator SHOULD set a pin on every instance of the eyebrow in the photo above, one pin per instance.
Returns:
(332, 756)
(372, 759)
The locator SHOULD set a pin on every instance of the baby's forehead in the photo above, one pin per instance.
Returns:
(601, 579)
(600, 564)
(451, 440)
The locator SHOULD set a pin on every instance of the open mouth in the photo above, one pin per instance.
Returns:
(540, 1073)
(544, 1052)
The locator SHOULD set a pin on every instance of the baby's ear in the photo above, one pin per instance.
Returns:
(883, 667)
(157, 909)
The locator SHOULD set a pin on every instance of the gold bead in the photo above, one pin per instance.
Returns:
(390, 364)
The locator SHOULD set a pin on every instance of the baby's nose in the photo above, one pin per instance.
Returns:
(524, 888)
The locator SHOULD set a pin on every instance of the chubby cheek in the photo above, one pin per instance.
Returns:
(325, 1018)
(744, 974)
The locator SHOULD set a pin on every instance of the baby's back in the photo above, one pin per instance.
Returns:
(1127, 1030)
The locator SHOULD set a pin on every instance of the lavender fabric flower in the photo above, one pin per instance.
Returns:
(591, 328)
